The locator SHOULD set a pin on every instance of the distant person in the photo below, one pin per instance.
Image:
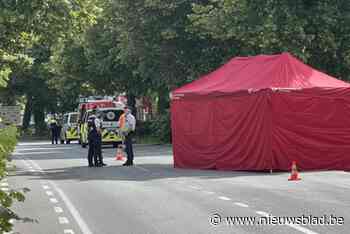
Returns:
(98, 123)
(54, 131)
(127, 124)
(93, 140)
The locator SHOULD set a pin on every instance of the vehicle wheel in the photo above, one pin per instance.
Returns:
(115, 145)
(83, 145)
(62, 141)
(67, 141)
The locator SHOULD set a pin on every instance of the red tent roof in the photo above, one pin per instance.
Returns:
(261, 72)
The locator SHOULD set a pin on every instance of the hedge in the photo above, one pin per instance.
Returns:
(8, 141)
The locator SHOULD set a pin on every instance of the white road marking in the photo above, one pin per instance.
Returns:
(224, 198)
(208, 192)
(34, 143)
(262, 213)
(49, 193)
(58, 209)
(46, 187)
(42, 148)
(81, 223)
(83, 226)
(36, 166)
(68, 231)
(4, 184)
(53, 200)
(63, 220)
(36, 153)
(26, 163)
(294, 226)
(301, 229)
(241, 204)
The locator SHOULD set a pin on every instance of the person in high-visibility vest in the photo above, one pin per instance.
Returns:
(98, 123)
(127, 125)
(54, 131)
(95, 142)
(122, 121)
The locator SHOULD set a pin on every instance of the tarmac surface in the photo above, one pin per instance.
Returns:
(154, 197)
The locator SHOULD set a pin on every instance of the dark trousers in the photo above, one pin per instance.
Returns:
(128, 149)
(98, 149)
(92, 156)
(54, 135)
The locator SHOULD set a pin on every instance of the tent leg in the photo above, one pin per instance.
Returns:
(270, 171)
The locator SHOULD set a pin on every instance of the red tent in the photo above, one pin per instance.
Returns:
(262, 113)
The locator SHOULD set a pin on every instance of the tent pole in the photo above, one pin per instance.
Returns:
(270, 171)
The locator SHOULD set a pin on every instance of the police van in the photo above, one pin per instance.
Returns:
(69, 130)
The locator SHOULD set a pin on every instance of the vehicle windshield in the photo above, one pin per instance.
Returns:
(73, 118)
(111, 115)
(65, 119)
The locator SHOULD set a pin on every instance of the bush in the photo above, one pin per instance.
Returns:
(144, 128)
(162, 127)
(8, 141)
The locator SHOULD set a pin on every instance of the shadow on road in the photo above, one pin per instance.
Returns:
(160, 168)
(140, 172)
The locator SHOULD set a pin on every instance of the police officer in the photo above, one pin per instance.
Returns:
(54, 131)
(98, 123)
(127, 124)
(95, 142)
(92, 138)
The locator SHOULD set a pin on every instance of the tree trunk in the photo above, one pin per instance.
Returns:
(27, 112)
(39, 118)
(163, 101)
(132, 103)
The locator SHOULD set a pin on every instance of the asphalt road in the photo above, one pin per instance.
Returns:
(152, 197)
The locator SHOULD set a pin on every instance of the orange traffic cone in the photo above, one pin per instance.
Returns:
(119, 155)
(294, 173)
